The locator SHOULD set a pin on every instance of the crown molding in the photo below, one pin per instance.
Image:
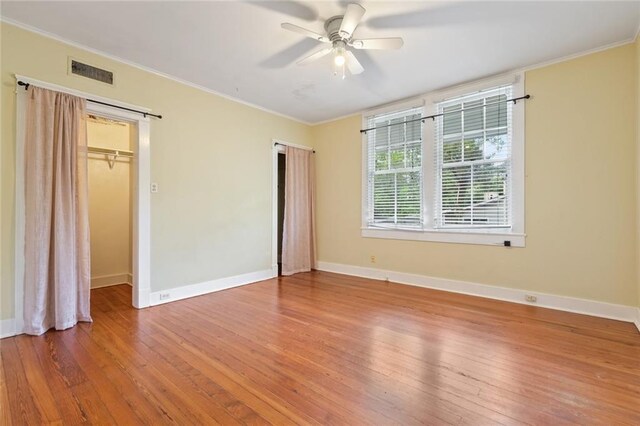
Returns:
(308, 123)
(63, 40)
(576, 55)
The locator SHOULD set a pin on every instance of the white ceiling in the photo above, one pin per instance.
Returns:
(238, 48)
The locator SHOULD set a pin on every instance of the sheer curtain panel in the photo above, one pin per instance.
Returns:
(298, 237)
(57, 260)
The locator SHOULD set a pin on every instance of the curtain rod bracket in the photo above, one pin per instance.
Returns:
(520, 98)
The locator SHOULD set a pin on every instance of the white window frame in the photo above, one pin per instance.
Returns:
(397, 106)
(487, 236)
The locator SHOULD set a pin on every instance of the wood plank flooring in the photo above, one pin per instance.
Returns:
(322, 348)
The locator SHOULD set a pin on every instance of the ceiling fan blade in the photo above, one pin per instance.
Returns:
(315, 56)
(304, 32)
(353, 64)
(351, 19)
(378, 43)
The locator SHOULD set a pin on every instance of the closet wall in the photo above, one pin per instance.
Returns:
(109, 204)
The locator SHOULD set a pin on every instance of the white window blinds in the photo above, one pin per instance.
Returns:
(394, 169)
(473, 160)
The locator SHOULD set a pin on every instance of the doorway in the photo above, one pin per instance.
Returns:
(140, 183)
(278, 190)
(110, 158)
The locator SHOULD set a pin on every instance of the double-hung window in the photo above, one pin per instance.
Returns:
(455, 176)
(394, 169)
(473, 161)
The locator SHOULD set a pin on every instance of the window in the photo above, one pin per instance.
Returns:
(473, 161)
(456, 177)
(394, 168)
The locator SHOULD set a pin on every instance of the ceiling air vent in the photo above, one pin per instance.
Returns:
(84, 70)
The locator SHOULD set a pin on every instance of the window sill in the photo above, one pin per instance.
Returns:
(491, 238)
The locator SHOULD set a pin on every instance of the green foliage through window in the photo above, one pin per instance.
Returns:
(474, 141)
(395, 169)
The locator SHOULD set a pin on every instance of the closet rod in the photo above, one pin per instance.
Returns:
(118, 152)
(26, 86)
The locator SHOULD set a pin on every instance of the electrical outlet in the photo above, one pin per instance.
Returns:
(531, 298)
(154, 187)
(164, 296)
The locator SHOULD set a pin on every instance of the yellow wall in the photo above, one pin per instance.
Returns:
(109, 203)
(580, 192)
(210, 156)
(212, 160)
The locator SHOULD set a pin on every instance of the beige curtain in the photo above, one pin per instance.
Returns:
(298, 236)
(57, 261)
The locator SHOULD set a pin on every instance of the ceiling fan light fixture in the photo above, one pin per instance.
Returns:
(339, 32)
(340, 69)
(338, 58)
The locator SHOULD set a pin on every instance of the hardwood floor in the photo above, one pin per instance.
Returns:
(321, 348)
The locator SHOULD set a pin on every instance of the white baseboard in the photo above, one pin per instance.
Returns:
(637, 321)
(7, 328)
(109, 280)
(178, 293)
(563, 303)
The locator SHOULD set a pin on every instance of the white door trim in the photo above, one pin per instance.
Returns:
(141, 201)
(278, 147)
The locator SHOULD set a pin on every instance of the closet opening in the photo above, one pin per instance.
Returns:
(136, 194)
(111, 153)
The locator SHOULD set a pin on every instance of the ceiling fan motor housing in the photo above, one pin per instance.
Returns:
(332, 27)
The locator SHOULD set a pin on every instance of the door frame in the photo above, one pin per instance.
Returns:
(278, 147)
(141, 208)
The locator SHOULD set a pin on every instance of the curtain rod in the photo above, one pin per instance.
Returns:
(514, 100)
(26, 86)
(284, 144)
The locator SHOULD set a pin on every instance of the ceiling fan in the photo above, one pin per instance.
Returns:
(339, 34)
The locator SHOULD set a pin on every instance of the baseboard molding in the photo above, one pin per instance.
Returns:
(563, 303)
(7, 328)
(109, 280)
(637, 321)
(179, 293)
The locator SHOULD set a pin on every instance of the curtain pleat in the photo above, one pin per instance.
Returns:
(298, 236)
(57, 259)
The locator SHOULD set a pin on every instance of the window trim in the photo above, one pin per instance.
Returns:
(492, 237)
(396, 106)
(489, 236)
